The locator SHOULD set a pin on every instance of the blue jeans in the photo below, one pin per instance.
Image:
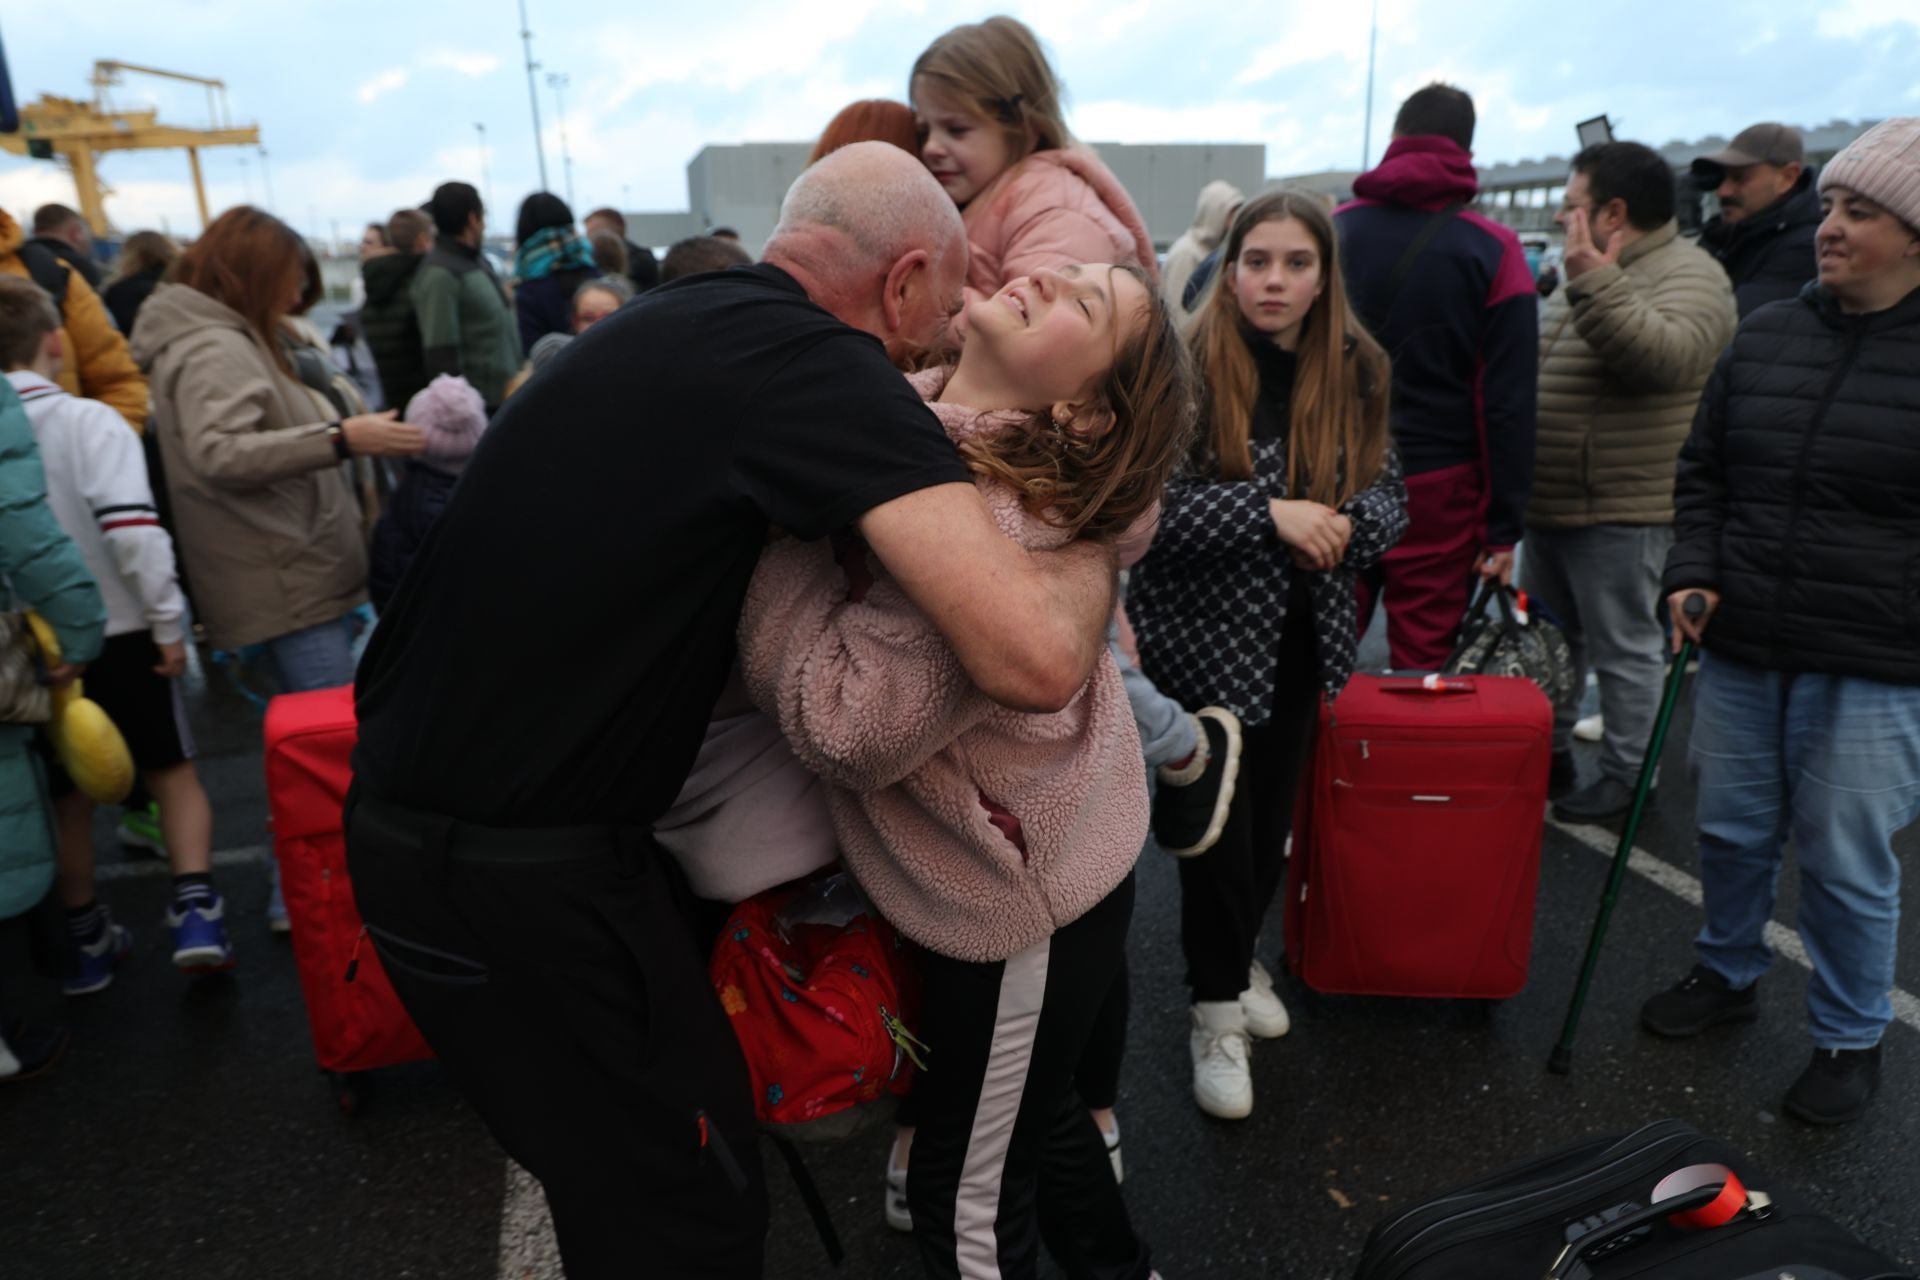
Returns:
(1833, 762)
(318, 657)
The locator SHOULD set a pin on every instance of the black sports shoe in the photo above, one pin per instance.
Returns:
(1836, 1086)
(1697, 1002)
(1189, 813)
(1562, 777)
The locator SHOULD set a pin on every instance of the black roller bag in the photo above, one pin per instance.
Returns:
(1587, 1212)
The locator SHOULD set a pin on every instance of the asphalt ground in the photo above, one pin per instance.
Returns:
(188, 1136)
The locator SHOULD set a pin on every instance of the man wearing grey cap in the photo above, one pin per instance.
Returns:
(1763, 234)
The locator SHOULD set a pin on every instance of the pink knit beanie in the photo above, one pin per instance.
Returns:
(453, 415)
(1882, 164)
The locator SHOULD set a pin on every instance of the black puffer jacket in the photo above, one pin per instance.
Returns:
(1769, 255)
(417, 501)
(392, 331)
(1798, 496)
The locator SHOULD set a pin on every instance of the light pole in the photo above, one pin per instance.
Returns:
(1366, 137)
(486, 183)
(533, 97)
(558, 83)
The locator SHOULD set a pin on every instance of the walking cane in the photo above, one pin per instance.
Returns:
(1560, 1061)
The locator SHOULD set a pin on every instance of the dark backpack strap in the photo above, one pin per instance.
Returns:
(48, 272)
(810, 1197)
(1415, 247)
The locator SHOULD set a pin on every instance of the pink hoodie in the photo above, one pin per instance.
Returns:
(976, 830)
(1051, 209)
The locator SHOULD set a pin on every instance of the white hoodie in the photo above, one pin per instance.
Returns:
(97, 487)
(1218, 200)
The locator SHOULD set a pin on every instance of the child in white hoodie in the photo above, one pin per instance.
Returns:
(97, 487)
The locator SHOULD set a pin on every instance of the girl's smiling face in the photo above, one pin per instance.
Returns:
(1276, 279)
(1047, 339)
(964, 150)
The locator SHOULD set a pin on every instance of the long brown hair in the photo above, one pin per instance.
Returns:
(1100, 486)
(250, 260)
(869, 120)
(999, 67)
(1337, 424)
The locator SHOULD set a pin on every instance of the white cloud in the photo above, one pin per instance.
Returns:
(466, 63)
(1851, 19)
(380, 85)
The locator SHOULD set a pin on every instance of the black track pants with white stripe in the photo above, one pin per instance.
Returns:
(1005, 1155)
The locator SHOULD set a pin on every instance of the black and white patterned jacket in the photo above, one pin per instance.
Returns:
(1209, 600)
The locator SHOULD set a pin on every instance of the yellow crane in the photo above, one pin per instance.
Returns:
(78, 131)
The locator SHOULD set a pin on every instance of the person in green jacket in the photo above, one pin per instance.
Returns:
(48, 575)
(467, 326)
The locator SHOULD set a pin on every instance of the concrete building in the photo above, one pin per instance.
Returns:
(741, 185)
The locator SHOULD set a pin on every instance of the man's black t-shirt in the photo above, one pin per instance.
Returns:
(552, 656)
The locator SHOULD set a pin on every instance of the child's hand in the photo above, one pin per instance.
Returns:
(1317, 535)
(173, 659)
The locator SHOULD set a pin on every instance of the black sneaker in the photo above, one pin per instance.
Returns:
(25, 1054)
(1836, 1086)
(1562, 777)
(1190, 813)
(1697, 1002)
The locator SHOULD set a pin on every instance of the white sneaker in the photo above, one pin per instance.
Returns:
(898, 1216)
(1266, 1016)
(1221, 1083)
(1112, 1139)
(1589, 729)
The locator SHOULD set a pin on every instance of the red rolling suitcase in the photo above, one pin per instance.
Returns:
(358, 1023)
(1416, 845)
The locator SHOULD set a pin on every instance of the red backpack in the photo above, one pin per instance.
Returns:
(812, 980)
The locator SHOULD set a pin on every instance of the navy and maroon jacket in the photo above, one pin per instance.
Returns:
(1464, 330)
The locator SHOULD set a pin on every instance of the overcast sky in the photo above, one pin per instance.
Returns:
(364, 106)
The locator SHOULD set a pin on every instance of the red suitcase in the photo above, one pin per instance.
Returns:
(357, 1024)
(1416, 846)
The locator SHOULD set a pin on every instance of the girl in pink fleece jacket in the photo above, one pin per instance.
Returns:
(994, 135)
(999, 841)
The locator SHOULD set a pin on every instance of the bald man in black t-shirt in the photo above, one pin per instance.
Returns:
(541, 683)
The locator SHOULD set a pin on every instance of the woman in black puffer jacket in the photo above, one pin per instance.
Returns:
(1797, 517)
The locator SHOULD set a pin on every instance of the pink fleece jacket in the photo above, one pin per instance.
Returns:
(976, 830)
(1051, 209)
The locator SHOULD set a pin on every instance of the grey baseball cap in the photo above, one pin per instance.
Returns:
(1757, 144)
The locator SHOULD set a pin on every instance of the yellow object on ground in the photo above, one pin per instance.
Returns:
(88, 745)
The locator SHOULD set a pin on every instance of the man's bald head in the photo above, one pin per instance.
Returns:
(875, 240)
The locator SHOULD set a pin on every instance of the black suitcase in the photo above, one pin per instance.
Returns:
(1587, 1212)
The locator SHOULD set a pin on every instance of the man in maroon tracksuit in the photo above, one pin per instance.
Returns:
(1448, 293)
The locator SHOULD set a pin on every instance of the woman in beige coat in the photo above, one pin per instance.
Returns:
(253, 448)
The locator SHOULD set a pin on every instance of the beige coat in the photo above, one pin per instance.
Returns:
(1624, 353)
(267, 525)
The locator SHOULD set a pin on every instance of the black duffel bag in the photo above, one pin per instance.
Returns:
(1517, 642)
(1589, 1212)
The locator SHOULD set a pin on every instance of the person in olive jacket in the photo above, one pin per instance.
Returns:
(1625, 349)
(1797, 519)
(467, 326)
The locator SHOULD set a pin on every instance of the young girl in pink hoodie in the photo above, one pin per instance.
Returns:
(1001, 842)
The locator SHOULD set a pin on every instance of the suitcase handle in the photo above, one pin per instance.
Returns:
(1684, 1208)
(1427, 685)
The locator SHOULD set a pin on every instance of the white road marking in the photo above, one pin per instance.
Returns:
(158, 866)
(528, 1250)
(1784, 941)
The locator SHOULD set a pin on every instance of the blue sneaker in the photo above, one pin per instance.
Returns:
(90, 966)
(200, 935)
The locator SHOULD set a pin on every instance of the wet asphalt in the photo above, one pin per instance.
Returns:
(187, 1134)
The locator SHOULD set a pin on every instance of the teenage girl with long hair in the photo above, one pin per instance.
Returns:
(1001, 843)
(1247, 597)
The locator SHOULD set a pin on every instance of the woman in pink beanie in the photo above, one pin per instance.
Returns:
(452, 414)
(1797, 519)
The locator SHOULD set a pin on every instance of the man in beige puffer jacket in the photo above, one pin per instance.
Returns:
(1625, 350)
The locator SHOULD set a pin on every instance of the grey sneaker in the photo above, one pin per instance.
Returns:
(1597, 801)
(1696, 1002)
